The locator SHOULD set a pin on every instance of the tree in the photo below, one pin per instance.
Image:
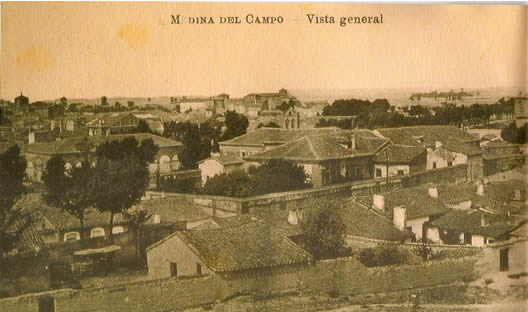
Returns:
(72, 190)
(278, 176)
(14, 220)
(236, 125)
(324, 231)
(515, 135)
(137, 218)
(104, 101)
(234, 184)
(64, 101)
(143, 127)
(122, 174)
(131, 104)
(195, 146)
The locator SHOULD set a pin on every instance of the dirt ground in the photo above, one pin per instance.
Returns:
(511, 294)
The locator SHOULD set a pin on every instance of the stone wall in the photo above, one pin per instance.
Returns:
(340, 276)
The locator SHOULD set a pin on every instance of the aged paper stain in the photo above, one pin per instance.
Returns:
(135, 35)
(35, 59)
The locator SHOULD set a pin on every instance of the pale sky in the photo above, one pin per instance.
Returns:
(49, 50)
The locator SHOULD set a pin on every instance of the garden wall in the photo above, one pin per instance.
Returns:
(340, 276)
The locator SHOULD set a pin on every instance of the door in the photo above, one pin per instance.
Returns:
(503, 265)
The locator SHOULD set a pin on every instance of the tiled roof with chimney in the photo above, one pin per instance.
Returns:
(476, 222)
(365, 222)
(453, 138)
(418, 203)
(248, 246)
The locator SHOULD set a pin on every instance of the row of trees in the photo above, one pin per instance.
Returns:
(380, 113)
(199, 140)
(113, 185)
(274, 176)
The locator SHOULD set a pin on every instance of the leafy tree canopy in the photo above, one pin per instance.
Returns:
(236, 125)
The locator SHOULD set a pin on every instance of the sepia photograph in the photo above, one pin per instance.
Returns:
(270, 157)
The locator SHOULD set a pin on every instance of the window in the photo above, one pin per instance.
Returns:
(401, 172)
(173, 268)
(198, 269)
(46, 304)
(378, 172)
(449, 163)
(356, 171)
(96, 232)
(117, 229)
(434, 165)
(71, 236)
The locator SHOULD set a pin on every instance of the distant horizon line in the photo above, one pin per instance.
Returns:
(415, 89)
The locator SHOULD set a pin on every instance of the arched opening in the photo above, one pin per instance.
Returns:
(165, 164)
(72, 236)
(30, 170)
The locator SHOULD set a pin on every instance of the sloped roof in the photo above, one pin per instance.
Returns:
(364, 222)
(173, 209)
(451, 137)
(69, 145)
(315, 148)
(448, 194)
(278, 135)
(108, 119)
(418, 203)
(225, 159)
(399, 154)
(470, 221)
(244, 247)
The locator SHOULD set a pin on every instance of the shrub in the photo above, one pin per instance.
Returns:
(382, 255)
(422, 250)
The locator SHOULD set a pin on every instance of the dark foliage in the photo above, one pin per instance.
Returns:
(13, 219)
(186, 185)
(324, 231)
(274, 176)
(270, 124)
(236, 125)
(143, 127)
(379, 113)
(423, 250)
(515, 135)
(382, 255)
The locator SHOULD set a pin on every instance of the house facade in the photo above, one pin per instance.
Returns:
(217, 164)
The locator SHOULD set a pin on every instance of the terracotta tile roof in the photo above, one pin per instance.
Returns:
(470, 222)
(244, 247)
(278, 135)
(315, 148)
(69, 145)
(451, 137)
(399, 154)
(107, 119)
(173, 209)
(448, 194)
(365, 222)
(225, 159)
(419, 203)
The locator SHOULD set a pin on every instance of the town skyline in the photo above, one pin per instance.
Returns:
(132, 50)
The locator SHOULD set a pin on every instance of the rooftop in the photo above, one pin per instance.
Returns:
(69, 145)
(451, 137)
(399, 154)
(248, 246)
(470, 221)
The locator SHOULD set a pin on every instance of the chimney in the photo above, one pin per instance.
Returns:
(31, 137)
(353, 141)
(517, 196)
(292, 217)
(433, 192)
(378, 201)
(483, 220)
(480, 189)
(399, 217)
(438, 144)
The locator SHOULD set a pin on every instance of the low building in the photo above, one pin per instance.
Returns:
(409, 209)
(112, 123)
(399, 160)
(501, 156)
(446, 146)
(230, 253)
(328, 159)
(69, 148)
(217, 164)
(474, 227)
